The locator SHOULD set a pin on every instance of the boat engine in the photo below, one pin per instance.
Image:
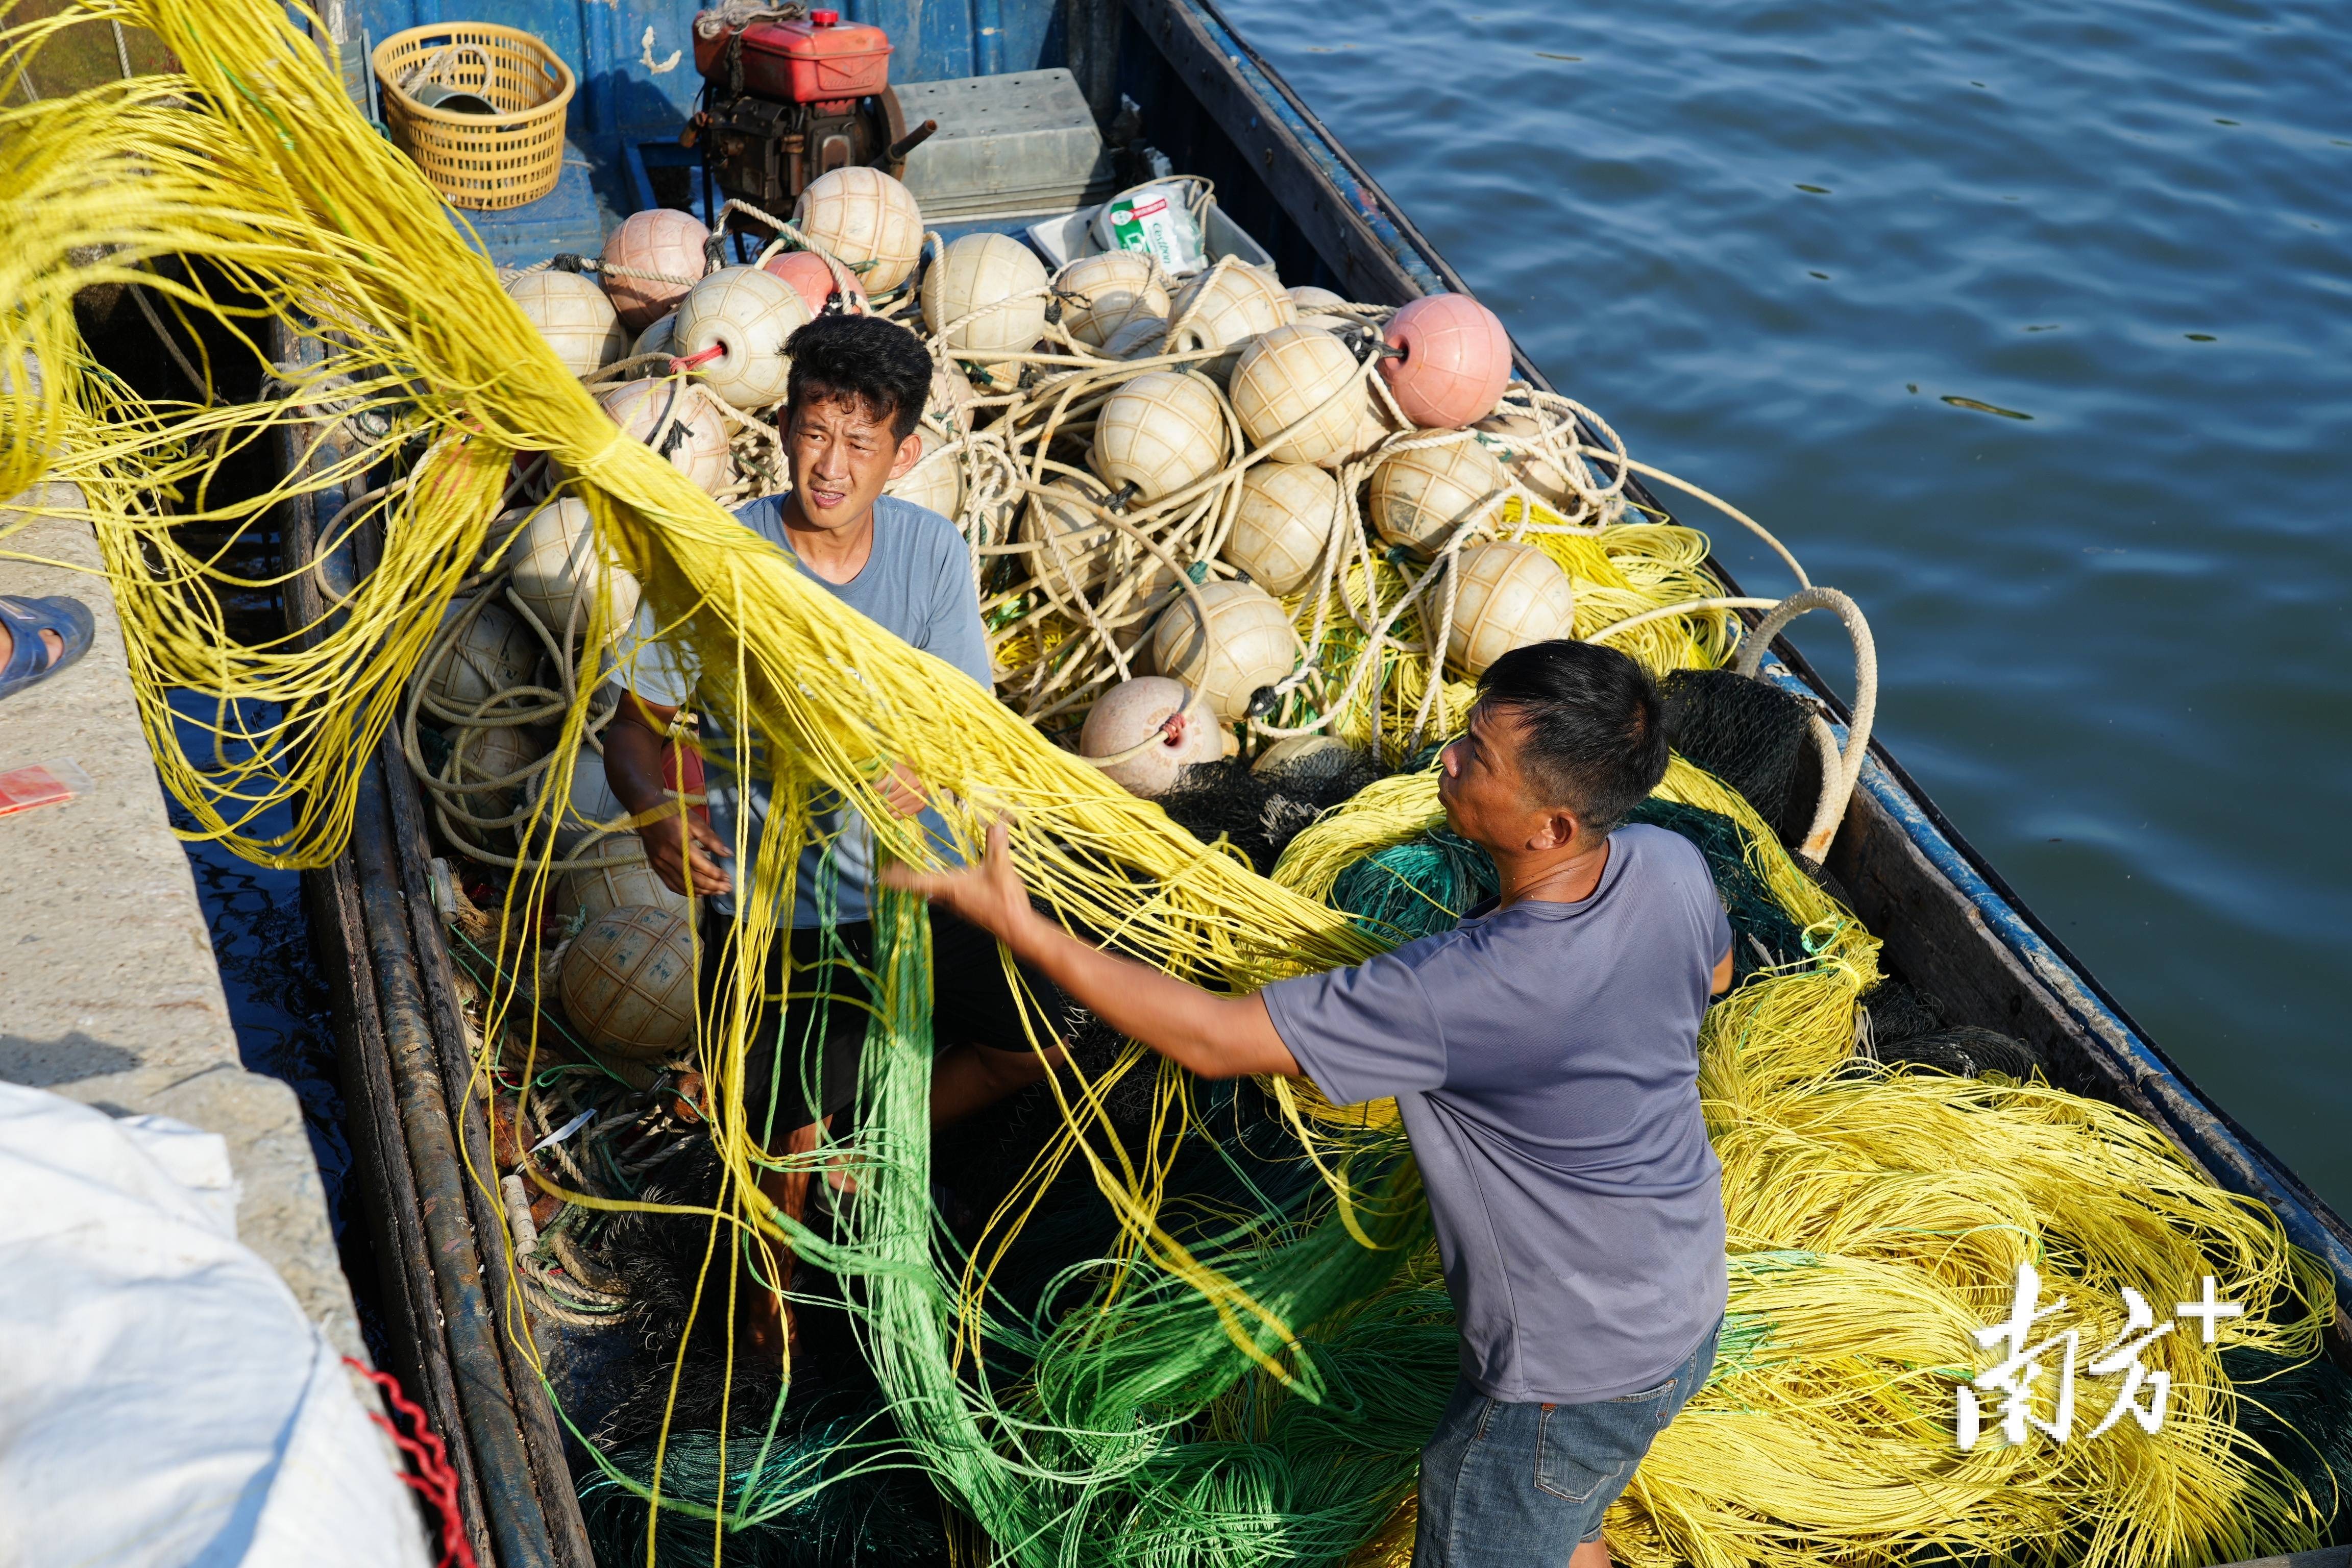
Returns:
(792, 93)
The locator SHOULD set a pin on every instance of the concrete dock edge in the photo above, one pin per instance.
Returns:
(109, 991)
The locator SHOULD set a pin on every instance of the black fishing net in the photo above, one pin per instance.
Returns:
(803, 1495)
(1751, 735)
(1096, 1047)
(672, 1392)
(1965, 1051)
(1897, 1011)
(2301, 1412)
(1260, 814)
(1905, 1025)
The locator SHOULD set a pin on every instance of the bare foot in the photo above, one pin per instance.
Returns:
(55, 644)
(1593, 1554)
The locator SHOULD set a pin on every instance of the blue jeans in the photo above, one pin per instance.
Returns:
(1522, 1486)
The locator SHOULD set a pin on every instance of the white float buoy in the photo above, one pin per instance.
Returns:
(587, 806)
(1139, 338)
(495, 653)
(952, 399)
(617, 877)
(627, 984)
(556, 559)
(861, 216)
(1235, 304)
(1373, 425)
(1247, 642)
(1281, 524)
(1160, 431)
(744, 316)
(1102, 293)
(935, 481)
(1076, 543)
(1513, 438)
(1308, 300)
(1298, 379)
(576, 316)
(1150, 707)
(1419, 497)
(679, 420)
(988, 283)
(498, 539)
(1305, 758)
(656, 338)
(1506, 595)
(486, 756)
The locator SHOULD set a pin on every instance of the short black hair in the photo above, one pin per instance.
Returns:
(880, 364)
(1593, 735)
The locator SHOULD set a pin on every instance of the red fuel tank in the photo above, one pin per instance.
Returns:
(820, 61)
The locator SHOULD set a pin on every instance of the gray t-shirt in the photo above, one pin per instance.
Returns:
(917, 583)
(1546, 1060)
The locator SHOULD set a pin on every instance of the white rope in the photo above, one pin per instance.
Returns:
(1837, 782)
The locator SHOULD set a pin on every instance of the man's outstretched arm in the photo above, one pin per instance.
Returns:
(1214, 1036)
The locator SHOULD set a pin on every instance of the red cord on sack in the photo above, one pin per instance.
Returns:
(432, 1477)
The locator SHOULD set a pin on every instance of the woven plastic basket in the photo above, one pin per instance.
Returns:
(480, 161)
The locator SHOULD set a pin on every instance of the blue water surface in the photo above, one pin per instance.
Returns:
(2025, 323)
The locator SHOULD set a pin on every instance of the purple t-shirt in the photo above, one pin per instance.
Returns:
(1546, 1060)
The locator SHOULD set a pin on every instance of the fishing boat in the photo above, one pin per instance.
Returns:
(1165, 79)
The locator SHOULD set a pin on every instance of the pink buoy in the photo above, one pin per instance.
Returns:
(806, 271)
(1456, 361)
(661, 241)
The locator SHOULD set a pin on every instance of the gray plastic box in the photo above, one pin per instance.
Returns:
(1063, 239)
(1009, 145)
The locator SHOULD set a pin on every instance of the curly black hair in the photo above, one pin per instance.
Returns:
(881, 365)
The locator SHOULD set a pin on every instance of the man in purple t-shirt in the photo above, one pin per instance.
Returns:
(1544, 1056)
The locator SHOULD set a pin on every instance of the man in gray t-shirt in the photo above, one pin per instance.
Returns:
(1544, 1054)
(857, 385)
(916, 582)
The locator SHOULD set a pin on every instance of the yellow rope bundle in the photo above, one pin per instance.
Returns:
(272, 179)
(1877, 1218)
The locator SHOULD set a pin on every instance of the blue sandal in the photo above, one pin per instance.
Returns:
(27, 618)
